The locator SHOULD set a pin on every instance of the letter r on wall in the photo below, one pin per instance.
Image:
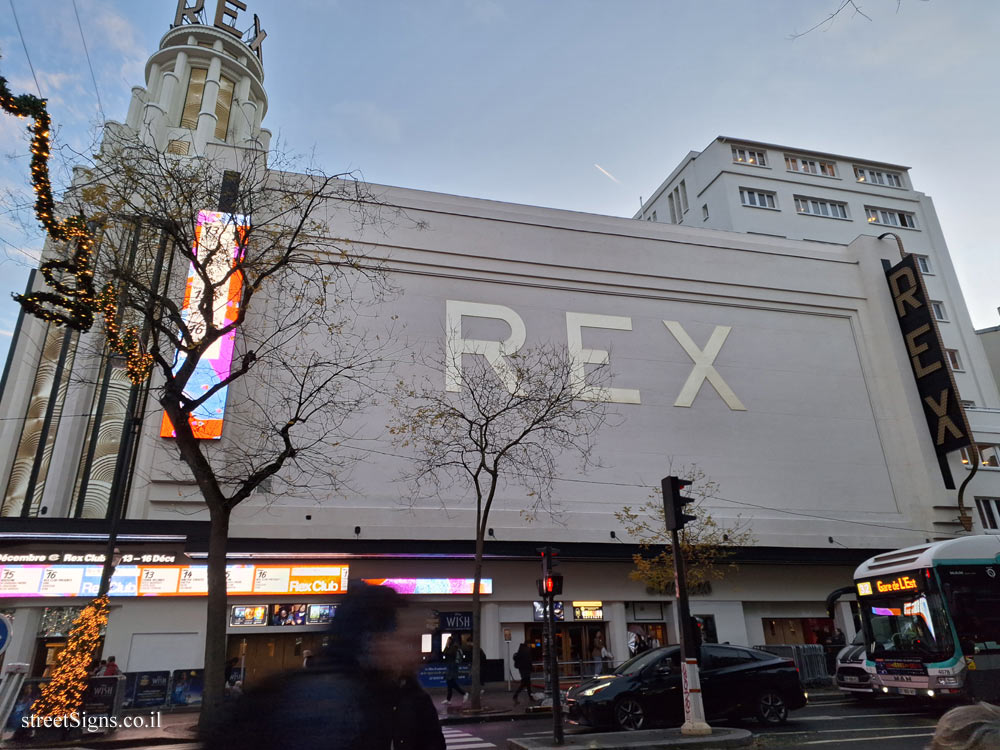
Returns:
(494, 351)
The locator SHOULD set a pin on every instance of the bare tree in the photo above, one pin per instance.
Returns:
(500, 430)
(251, 309)
(706, 543)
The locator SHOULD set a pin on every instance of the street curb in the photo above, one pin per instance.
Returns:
(487, 717)
(650, 739)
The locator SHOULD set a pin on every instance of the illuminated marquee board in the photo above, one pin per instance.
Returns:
(217, 237)
(432, 585)
(889, 586)
(170, 580)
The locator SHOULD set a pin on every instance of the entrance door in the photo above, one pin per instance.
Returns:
(268, 653)
(574, 645)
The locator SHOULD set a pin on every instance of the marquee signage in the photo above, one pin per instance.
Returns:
(219, 243)
(888, 586)
(92, 558)
(935, 382)
(588, 610)
(18, 581)
(224, 9)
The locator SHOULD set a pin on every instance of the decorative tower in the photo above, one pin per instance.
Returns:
(204, 86)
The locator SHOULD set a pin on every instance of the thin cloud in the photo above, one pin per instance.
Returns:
(608, 174)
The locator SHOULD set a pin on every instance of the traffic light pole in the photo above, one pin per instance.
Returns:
(551, 662)
(694, 708)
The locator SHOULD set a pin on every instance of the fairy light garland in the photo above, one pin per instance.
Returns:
(71, 304)
(63, 694)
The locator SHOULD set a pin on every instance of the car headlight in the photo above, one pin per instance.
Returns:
(596, 689)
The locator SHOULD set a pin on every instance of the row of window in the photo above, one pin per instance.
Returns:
(989, 511)
(832, 209)
(754, 157)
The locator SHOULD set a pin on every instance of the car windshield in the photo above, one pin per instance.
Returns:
(641, 661)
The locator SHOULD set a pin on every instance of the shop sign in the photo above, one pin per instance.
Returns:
(452, 621)
(445, 586)
(588, 610)
(170, 580)
(226, 13)
(89, 558)
(99, 696)
(242, 616)
(186, 687)
(935, 382)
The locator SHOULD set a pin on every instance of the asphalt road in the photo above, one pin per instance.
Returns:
(887, 724)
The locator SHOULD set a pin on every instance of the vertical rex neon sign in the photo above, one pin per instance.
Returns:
(218, 235)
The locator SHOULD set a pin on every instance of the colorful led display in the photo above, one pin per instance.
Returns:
(217, 235)
(432, 585)
(170, 580)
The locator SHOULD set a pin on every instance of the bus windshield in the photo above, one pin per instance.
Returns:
(973, 596)
(908, 624)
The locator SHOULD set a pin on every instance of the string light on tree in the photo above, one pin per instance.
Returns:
(63, 694)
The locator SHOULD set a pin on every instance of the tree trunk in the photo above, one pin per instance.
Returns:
(215, 621)
(477, 627)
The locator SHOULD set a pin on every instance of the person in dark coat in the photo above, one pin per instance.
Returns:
(360, 693)
(453, 657)
(522, 662)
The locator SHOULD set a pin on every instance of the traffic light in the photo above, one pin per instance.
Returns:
(551, 585)
(674, 502)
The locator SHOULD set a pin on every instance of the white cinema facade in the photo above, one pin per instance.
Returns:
(776, 366)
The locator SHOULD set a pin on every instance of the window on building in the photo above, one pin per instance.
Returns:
(749, 156)
(815, 207)
(673, 208)
(810, 166)
(989, 456)
(684, 195)
(758, 198)
(192, 102)
(654, 215)
(890, 217)
(223, 107)
(967, 404)
(704, 212)
(878, 177)
(989, 511)
(938, 309)
(954, 360)
(924, 264)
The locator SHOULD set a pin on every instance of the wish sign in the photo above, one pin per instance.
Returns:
(219, 244)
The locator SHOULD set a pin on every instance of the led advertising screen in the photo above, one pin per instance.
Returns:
(217, 243)
(320, 614)
(288, 614)
(255, 614)
(432, 585)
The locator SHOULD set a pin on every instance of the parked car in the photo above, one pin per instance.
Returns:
(850, 672)
(646, 690)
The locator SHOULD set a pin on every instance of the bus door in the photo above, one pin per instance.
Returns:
(972, 593)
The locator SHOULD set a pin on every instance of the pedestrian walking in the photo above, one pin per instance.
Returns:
(453, 658)
(522, 662)
(359, 693)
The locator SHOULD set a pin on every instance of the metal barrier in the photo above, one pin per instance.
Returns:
(810, 658)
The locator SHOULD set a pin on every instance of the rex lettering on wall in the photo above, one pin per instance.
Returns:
(935, 383)
(495, 351)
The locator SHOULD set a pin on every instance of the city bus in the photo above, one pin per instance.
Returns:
(931, 619)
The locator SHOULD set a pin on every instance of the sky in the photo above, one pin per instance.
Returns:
(571, 104)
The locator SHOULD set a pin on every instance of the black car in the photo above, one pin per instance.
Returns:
(646, 690)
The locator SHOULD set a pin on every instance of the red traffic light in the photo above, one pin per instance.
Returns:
(551, 585)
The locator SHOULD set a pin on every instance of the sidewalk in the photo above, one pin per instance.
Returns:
(497, 705)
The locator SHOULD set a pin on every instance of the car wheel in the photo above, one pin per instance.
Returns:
(629, 714)
(771, 708)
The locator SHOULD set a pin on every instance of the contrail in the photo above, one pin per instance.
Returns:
(608, 174)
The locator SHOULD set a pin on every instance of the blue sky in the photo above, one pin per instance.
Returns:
(518, 101)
